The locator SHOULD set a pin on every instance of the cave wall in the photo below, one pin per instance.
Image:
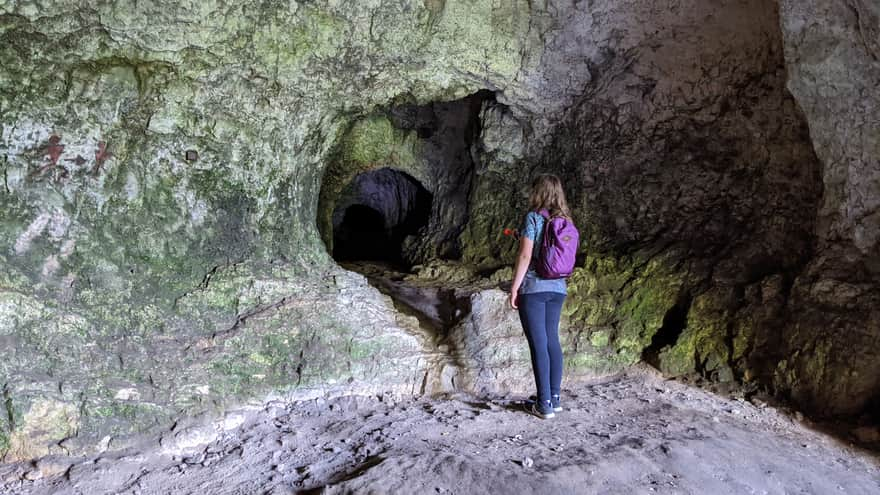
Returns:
(161, 170)
(167, 168)
(691, 169)
(832, 343)
(723, 159)
(707, 177)
(431, 143)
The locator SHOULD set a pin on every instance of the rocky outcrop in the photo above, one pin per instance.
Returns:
(169, 171)
(691, 168)
(831, 345)
(162, 165)
(833, 55)
(432, 144)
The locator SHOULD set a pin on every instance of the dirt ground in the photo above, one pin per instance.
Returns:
(633, 434)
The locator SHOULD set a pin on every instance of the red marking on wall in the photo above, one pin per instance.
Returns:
(101, 156)
(53, 150)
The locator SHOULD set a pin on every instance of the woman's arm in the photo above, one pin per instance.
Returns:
(522, 265)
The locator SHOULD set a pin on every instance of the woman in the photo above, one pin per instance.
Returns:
(538, 300)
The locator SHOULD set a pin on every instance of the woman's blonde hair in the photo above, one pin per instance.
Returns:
(547, 194)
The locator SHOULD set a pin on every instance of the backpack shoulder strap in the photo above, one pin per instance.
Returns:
(545, 236)
(546, 215)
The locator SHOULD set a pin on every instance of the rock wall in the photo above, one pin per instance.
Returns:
(162, 164)
(690, 166)
(167, 167)
(832, 344)
(707, 179)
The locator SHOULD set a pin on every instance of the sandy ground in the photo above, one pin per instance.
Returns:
(636, 433)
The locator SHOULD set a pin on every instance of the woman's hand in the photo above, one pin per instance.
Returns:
(514, 303)
(519, 271)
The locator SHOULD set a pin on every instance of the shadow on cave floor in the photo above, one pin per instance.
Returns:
(862, 433)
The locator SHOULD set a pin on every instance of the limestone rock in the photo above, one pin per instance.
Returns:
(489, 346)
(832, 51)
(833, 55)
(169, 170)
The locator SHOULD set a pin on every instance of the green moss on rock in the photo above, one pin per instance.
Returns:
(285, 47)
(703, 346)
(4, 441)
(369, 144)
(620, 303)
(44, 422)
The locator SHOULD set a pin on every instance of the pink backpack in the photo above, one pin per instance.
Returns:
(558, 247)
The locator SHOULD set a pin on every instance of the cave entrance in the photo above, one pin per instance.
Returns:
(375, 215)
(398, 185)
(394, 201)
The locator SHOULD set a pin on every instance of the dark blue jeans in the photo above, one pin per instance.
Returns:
(539, 314)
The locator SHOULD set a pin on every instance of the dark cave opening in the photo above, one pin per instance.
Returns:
(362, 235)
(674, 323)
(414, 166)
(376, 214)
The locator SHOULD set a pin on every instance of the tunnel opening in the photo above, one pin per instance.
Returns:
(674, 323)
(412, 164)
(377, 213)
(395, 198)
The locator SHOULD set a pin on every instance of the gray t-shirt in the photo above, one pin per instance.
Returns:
(533, 228)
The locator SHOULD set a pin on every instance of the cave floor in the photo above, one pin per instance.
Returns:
(636, 433)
